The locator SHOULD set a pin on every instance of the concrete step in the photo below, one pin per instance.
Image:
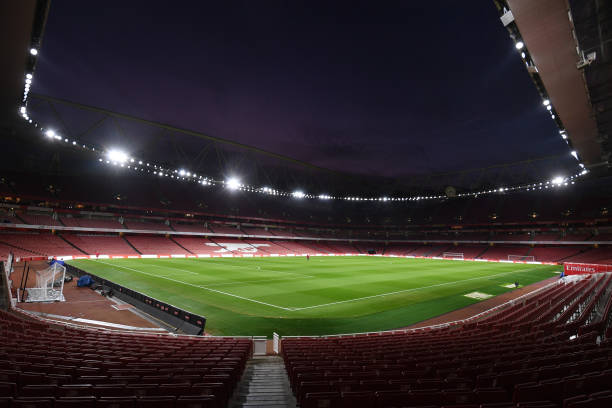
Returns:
(264, 384)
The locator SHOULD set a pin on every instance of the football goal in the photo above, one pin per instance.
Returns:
(49, 285)
(452, 255)
(521, 258)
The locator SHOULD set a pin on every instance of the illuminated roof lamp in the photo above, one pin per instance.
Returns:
(519, 45)
(558, 180)
(116, 155)
(232, 183)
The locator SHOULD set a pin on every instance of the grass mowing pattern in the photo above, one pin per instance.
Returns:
(326, 295)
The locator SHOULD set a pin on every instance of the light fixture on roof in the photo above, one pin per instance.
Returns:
(575, 154)
(116, 155)
(519, 45)
(33, 51)
(50, 133)
(546, 102)
(298, 194)
(232, 183)
(558, 180)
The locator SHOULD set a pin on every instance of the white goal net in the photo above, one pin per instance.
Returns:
(452, 255)
(521, 258)
(49, 285)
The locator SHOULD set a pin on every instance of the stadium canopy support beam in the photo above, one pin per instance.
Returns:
(181, 130)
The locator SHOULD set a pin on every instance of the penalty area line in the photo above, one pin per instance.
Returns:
(406, 290)
(197, 286)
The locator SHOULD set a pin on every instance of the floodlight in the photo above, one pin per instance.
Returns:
(33, 51)
(523, 54)
(22, 110)
(28, 76)
(298, 194)
(519, 45)
(546, 102)
(50, 133)
(116, 155)
(549, 107)
(557, 180)
(575, 154)
(182, 172)
(232, 183)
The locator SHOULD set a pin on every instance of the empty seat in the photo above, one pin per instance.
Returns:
(75, 402)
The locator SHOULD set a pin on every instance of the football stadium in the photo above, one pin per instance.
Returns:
(306, 204)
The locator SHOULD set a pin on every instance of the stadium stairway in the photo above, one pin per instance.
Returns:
(173, 240)
(71, 244)
(130, 244)
(264, 384)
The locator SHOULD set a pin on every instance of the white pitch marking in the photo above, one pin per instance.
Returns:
(169, 267)
(252, 269)
(408, 290)
(252, 281)
(195, 286)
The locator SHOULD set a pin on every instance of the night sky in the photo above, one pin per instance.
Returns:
(389, 88)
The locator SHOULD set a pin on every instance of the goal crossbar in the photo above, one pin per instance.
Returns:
(452, 255)
(521, 258)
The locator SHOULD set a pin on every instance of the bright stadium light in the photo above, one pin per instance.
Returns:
(519, 45)
(298, 194)
(549, 107)
(28, 76)
(575, 154)
(33, 51)
(182, 172)
(50, 133)
(546, 102)
(232, 183)
(116, 155)
(558, 180)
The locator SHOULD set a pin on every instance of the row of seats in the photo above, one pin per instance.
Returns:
(33, 244)
(546, 349)
(47, 365)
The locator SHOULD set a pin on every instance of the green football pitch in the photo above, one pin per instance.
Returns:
(325, 295)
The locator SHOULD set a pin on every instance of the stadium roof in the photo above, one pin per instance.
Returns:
(522, 147)
(571, 51)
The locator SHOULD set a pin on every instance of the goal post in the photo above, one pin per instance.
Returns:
(49, 285)
(521, 258)
(452, 255)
